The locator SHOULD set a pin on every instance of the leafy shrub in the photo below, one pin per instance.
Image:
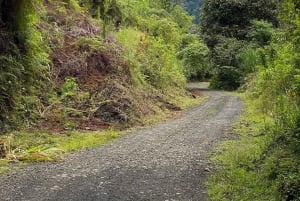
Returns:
(225, 52)
(183, 20)
(248, 59)
(276, 86)
(227, 78)
(163, 28)
(69, 88)
(195, 58)
(162, 68)
(152, 60)
(131, 39)
(261, 32)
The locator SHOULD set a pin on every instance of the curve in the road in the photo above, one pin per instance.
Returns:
(159, 163)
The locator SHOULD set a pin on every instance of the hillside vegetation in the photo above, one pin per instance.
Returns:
(83, 65)
(75, 62)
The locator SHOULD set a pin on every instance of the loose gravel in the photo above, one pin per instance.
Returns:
(165, 162)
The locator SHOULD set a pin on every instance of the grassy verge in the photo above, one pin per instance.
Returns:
(186, 103)
(242, 172)
(4, 166)
(259, 166)
(42, 147)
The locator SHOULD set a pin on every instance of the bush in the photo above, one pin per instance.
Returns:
(195, 58)
(152, 60)
(261, 32)
(248, 60)
(226, 78)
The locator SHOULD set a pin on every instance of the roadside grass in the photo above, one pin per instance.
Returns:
(4, 166)
(241, 171)
(188, 102)
(42, 147)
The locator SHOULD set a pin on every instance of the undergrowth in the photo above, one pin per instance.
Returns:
(265, 163)
(255, 167)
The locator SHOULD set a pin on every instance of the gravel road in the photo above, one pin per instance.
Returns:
(164, 162)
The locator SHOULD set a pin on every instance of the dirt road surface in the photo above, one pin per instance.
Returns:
(165, 162)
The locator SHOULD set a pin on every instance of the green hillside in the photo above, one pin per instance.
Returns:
(74, 62)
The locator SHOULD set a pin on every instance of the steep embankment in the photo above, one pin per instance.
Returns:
(97, 84)
(90, 65)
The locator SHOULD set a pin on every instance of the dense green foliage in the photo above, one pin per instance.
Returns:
(268, 165)
(195, 57)
(170, 29)
(229, 27)
(23, 61)
(161, 31)
(277, 87)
